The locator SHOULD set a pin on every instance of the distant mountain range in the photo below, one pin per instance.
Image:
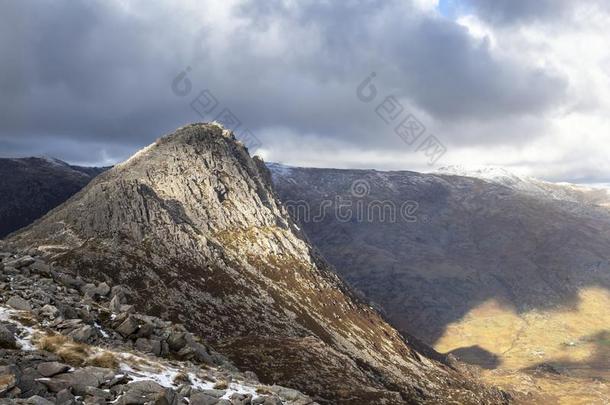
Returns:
(527, 242)
(31, 187)
(500, 270)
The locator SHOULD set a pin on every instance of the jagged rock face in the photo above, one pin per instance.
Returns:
(31, 187)
(525, 243)
(191, 226)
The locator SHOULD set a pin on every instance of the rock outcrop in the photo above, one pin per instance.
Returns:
(192, 232)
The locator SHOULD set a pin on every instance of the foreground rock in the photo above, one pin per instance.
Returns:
(71, 348)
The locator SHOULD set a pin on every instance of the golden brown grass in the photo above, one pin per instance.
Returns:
(182, 378)
(221, 385)
(68, 350)
(74, 353)
(104, 359)
(263, 390)
(25, 319)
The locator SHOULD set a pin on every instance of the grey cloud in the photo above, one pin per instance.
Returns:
(77, 75)
(432, 62)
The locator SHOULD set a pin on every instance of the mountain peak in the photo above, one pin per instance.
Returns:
(200, 133)
(192, 227)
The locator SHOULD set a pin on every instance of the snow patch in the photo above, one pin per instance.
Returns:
(24, 334)
(165, 376)
(101, 330)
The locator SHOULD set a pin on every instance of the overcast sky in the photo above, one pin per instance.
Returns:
(515, 83)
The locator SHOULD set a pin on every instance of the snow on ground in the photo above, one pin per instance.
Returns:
(165, 375)
(155, 369)
(101, 330)
(24, 333)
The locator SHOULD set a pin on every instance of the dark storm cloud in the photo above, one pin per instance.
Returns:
(432, 62)
(84, 71)
(93, 78)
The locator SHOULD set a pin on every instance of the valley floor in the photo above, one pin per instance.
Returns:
(548, 357)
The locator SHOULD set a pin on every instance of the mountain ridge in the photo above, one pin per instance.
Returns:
(192, 226)
(33, 186)
(509, 277)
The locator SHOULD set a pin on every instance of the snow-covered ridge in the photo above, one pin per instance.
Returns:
(493, 173)
(580, 195)
(53, 161)
(279, 169)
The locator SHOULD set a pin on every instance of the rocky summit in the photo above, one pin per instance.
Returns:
(190, 231)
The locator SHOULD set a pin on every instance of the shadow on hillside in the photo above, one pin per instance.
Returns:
(477, 356)
(472, 241)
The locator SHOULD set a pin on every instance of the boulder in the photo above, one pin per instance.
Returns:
(7, 338)
(64, 397)
(67, 280)
(215, 393)
(144, 345)
(156, 347)
(287, 393)
(201, 353)
(8, 378)
(51, 368)
(19, 303)
(240, 399)
(41, 268)
(89, 290)
(20, 262)
(176, 341)
(79, 380)
(146, 330)
(67, 311)
(28, 383)
(144, 392)
(128, 327)
(103, 289)
(200, 398)
(128, 309)
(82, 334)
(49, 311)
(274, 401)
(38, 400)
(120, 292)
(115, 304)
(98, 393)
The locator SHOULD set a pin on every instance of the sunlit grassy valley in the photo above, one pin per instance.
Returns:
(558, 356)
